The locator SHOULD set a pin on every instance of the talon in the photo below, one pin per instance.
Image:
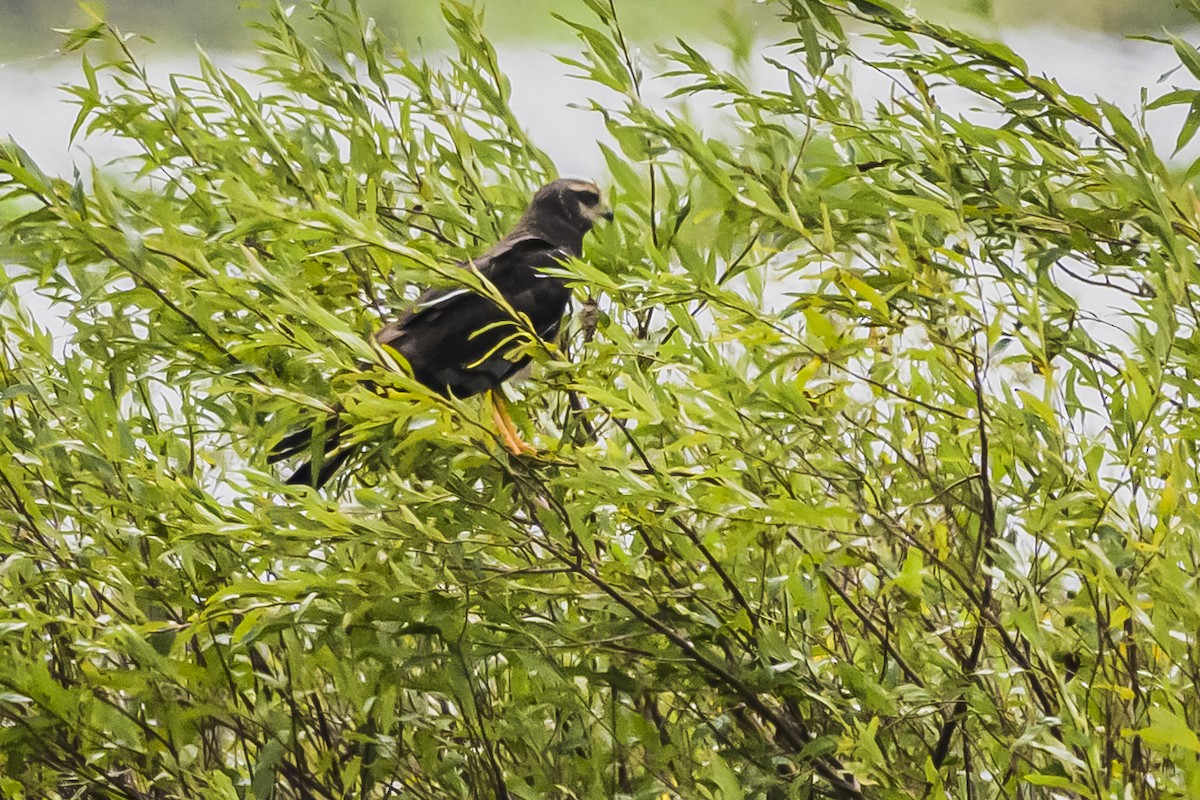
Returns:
(508, 431)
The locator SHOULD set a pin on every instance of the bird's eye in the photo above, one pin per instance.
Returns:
(589, 197)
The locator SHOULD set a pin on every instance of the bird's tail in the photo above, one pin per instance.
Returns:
(323, 441)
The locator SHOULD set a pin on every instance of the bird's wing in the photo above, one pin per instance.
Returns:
(493, 264)
(459, 341)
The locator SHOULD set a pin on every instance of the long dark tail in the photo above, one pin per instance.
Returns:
(330, 431)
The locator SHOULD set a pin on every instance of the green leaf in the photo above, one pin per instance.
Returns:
(1188, 55)
(1168, 730)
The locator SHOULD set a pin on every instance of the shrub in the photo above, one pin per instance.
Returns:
(870, 471)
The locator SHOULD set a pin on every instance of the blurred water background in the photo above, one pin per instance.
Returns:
(1084, 44)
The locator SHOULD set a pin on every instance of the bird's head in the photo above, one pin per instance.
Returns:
(564, 210)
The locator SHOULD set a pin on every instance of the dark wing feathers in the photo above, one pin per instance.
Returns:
(457, 340)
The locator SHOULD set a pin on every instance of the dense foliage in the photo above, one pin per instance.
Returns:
(868, 468)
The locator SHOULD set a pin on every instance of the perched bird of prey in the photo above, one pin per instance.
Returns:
(461, 341)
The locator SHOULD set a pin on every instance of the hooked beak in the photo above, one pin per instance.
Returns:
(607, 213)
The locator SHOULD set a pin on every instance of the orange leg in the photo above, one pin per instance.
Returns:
(508, 431)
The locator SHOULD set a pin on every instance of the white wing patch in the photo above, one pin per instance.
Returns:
(439, 300)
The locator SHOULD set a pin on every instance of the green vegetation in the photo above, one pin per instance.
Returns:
(217, 24)
(872, 474)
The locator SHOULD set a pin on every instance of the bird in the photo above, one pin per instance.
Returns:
(463, 341)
